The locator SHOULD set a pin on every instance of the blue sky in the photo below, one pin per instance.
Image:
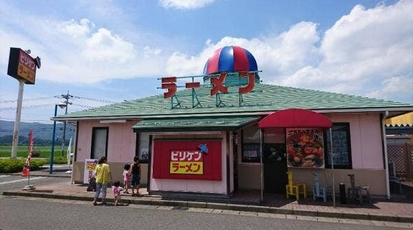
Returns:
(109, 51)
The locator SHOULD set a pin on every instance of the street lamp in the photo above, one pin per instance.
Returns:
(60, 105)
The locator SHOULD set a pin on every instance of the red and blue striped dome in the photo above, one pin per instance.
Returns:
(230, 59)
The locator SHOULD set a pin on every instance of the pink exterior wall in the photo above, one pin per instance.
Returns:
(366, 139)
(201, 186)
(367, 157)
(121, 140)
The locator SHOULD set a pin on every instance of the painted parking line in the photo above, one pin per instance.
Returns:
(20, 180)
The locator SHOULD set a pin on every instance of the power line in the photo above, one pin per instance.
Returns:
(92, 99)
(84, 106)
(60, 96)
(44, 105)
(25, 107)
(28, 99)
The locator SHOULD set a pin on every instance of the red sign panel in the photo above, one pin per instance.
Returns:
(21, 66)
(195, 159)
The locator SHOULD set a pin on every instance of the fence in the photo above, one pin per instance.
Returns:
(401, 155)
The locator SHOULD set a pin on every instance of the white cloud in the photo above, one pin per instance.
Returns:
(74, 29)
(395, 85)
(184, 4)
(368, 52)
(150, 52)
(367, 47)
(277, 54)
(104, 46)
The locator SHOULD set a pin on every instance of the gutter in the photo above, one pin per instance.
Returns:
(220, 114)
(386, 158)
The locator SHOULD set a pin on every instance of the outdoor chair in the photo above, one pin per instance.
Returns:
(319, 190)
(355, 193)
(293, 189)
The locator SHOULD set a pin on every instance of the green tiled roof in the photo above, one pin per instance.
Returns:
(194, 123)
(264, 99)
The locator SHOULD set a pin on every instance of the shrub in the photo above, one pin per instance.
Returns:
(60, 160)
(13, 165)
(36, 153)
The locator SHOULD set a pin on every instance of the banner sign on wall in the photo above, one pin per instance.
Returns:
(187, 159)
(90, 165)
(305, 147)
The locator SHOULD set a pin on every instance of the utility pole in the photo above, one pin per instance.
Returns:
(67, 103)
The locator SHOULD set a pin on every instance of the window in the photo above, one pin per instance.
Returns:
(99, 142)
(341, 146)
(251, 144)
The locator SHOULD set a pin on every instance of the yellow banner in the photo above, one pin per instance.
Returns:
(186, 167)
(26, 73)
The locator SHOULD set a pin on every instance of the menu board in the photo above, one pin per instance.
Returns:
(251, 152)
(341, 150)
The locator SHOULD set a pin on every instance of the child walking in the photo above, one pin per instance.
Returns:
(116, 191)
(126, 178)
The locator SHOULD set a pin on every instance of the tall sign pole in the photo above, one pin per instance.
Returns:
(22, 67)
(15, 141)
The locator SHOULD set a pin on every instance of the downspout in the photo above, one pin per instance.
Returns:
(386, 160)
(228, 162)
(261, 169)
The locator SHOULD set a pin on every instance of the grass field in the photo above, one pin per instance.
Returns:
(11, 165)
(23, 151)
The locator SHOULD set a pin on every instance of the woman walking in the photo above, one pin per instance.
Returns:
(136, 176)
(102, 173)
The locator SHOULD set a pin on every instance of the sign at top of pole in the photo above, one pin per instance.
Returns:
(22, 66)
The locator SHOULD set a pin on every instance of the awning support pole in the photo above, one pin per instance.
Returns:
(332, 168)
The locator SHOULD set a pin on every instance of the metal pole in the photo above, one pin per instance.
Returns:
(261, 169)
(332, 167)
(17, 121)
(64, 136)
(53, 140)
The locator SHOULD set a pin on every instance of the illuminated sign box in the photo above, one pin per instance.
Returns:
(21, 66)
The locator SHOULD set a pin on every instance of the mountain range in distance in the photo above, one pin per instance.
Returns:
(40, 130)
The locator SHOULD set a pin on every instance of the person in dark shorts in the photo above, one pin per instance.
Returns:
(135, 172)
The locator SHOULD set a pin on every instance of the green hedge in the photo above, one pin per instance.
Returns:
(13, 165)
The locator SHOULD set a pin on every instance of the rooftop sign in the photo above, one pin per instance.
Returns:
(219, 84)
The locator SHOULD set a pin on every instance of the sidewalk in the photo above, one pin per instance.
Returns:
(379, 210)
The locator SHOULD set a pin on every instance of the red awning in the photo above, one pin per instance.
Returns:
(295, 118)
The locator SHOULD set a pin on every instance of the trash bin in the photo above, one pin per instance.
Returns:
(343, 198)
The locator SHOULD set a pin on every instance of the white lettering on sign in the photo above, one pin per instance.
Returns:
(186, 156)
(27, 60)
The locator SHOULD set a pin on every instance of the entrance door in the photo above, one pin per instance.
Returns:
(275, 168)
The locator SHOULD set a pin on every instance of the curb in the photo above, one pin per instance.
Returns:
(224, 206)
